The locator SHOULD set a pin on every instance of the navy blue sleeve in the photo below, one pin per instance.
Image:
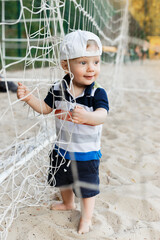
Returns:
(100, 99)
(49, 99)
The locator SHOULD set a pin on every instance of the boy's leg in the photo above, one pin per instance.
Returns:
(87, 207)
(68, 201)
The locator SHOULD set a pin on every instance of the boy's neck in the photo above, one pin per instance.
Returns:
(76, 90)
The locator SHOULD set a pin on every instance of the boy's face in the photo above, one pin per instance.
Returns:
(85, 70)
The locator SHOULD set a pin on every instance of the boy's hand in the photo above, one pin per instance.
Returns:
(79, 115)
(22, 91)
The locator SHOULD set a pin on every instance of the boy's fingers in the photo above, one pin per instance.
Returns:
(21, 89)
(20, 85)
(75, 121)
(77, 106)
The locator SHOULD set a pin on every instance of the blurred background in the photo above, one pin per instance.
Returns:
(144, 22)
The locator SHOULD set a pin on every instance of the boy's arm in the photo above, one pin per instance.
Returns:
(36, 104)
(81, 116)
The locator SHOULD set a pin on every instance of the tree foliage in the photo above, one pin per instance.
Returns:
(147, 14)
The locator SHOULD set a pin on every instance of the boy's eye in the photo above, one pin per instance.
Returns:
(96, 62)
(83, 62)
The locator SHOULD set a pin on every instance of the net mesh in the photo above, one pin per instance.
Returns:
(30, 45)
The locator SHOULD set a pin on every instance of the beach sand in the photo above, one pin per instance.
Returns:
(128, 207)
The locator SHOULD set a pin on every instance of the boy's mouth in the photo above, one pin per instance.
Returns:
(89, 77)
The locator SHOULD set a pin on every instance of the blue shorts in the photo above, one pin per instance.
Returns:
(64, 173)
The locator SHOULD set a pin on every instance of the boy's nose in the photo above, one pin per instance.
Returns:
(90, 67)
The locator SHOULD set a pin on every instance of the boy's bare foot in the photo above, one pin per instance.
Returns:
(62, 207)
(84, 226)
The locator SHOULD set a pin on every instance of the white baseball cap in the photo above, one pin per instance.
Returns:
(74, 45)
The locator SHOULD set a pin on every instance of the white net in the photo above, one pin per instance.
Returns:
(30, 45)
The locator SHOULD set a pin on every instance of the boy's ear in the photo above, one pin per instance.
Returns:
(64, 65)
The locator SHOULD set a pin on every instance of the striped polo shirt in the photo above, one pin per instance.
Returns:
(79, 142)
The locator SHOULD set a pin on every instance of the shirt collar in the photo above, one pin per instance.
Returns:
(66, 82)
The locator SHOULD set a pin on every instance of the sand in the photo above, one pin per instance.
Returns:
(128, 207)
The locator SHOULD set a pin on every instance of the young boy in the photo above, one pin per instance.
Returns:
(81, 109)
